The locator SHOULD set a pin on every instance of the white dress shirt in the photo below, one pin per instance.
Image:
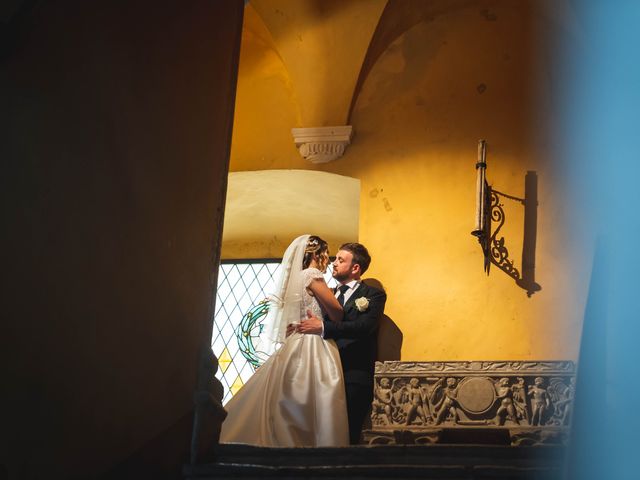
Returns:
(353, 284)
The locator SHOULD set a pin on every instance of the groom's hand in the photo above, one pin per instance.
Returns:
(291, 328)
(311, 324)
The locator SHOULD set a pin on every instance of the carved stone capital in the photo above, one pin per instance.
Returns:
(322, 144)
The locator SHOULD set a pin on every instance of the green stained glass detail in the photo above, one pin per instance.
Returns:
(249, 331)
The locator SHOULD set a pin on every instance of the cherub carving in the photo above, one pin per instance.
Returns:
(417, 406)
(448, 403)
(506, 410)
(382, 403)
(520, 400)
(540, 401)
(399, 401)
(562, 399)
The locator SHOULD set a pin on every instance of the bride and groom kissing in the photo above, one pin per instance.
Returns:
(316, 386)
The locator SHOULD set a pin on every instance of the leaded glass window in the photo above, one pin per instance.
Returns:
(241, 307)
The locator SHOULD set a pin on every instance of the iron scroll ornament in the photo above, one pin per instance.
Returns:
(494, 247)
(498, 249)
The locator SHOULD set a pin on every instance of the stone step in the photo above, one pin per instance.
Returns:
(468, 462)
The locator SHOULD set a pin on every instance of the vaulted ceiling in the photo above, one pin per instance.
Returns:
(323, 44)
(328, 47)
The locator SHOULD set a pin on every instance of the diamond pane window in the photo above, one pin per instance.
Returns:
(241, 308)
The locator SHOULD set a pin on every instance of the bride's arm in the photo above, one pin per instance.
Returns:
(326, 299)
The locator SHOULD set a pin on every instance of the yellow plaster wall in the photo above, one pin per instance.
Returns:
(266, 104)
(470, 72)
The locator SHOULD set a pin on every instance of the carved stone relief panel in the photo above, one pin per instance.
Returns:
(414, 402)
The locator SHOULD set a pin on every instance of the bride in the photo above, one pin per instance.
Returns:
(297, 397)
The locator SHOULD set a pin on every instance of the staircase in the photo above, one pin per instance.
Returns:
(451, 462)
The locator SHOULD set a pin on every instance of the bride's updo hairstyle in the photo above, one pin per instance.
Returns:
(316, 248)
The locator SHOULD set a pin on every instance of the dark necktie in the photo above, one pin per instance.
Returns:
(340, 297)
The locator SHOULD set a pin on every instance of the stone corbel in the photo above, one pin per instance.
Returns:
(322, 144)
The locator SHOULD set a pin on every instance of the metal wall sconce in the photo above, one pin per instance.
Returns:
(489, 211)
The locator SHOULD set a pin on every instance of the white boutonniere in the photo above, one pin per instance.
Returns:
(362, 303)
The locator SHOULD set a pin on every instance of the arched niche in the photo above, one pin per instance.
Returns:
(266, 209)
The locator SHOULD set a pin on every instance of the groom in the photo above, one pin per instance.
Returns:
(356, 335)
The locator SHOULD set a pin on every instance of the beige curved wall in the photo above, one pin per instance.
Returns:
(467, 73)
(266, 209)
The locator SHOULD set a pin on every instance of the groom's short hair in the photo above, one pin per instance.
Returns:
(360, 254)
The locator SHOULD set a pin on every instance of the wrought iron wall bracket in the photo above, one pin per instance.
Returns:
(490, 218)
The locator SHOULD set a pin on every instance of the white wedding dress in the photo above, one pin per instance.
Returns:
(297, 397)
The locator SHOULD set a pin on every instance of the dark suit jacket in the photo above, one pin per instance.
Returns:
(356, 335)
